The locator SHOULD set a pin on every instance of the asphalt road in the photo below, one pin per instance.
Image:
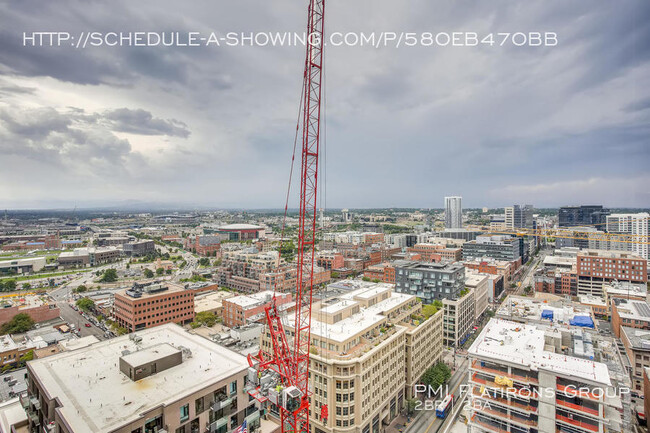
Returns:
(74, 318)
(427, 422)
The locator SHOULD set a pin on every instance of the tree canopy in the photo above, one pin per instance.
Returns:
(85, 304)
(20, 323)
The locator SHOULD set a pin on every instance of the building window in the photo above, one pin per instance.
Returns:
(185, 413)
(233, 387)
(198, 405)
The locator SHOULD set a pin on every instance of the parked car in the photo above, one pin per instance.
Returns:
(87, 325)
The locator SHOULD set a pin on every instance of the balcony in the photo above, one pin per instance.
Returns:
(504, 401)
(475, 420)
(577, 423)
(222, 403)
(476, 365)
(512, 418)
(218, 426)
(524, 393)
(578, 407)
(35, 402)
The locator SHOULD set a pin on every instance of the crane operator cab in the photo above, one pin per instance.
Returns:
(291, 398)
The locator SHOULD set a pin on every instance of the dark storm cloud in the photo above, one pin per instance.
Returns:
(142, 122)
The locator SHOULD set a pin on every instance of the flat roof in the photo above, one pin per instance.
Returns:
(254, 299)
(519, 344)
(531, 309)
(633, 309)
(240, 227)
(74, 377)
(639, 338)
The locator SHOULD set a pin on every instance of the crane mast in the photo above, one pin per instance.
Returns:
(290, 356)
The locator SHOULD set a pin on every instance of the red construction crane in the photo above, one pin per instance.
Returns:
(290, 357)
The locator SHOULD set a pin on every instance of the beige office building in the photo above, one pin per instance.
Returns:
(369, 346)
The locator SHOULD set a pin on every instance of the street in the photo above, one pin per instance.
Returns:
(74, 318)
(426, 421)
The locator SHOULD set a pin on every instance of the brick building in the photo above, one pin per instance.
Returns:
(436, 253)
(632, 314)
(37, 307)
(598, 267)
(153, 304)
(330, 260)
(203, 245)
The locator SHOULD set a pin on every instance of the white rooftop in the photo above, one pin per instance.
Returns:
(240, 227)
(519, 344)
(247, 301)
(74, 377)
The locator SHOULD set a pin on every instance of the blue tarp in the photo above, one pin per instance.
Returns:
(584, 321)
(547, 314)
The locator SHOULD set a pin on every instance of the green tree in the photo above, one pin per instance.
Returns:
(411, 404)
(365, 278)
(28, 356)
(109, 276)
(81, 289)
(436, 375)
(10, 285)
(334, 274)
(206, 318)
(27, 286)
(148, 273)
(85, 304)
(20, 323)
(204, 261)
(429, 310)
(168, 271)
(160, 271)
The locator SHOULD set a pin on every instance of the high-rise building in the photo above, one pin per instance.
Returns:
(453, 212)
(592, 215)
(637, 225)
(519, 216)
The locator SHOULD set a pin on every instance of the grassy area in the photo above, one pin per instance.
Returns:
(38, 276)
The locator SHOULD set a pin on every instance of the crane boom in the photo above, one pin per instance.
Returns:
(290, 356)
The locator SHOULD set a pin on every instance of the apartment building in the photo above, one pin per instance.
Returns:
(153, 304)
(242, 269)
(596, 268)
(453, 212)
(630, 313)
(369, 345)
(239, 310)
(160, 379)
(523, 379)
(330, 260)
(637, 225)
(480, 285)
(11, 350)
(637, 346)
(498, 247)
(556, 281)
(458, 318)
(430, 281)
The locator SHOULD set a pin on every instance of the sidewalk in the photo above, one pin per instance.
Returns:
(398, 425)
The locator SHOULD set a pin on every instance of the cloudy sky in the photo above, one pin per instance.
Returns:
(214, 126)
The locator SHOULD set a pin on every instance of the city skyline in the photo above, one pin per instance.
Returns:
(214, 127)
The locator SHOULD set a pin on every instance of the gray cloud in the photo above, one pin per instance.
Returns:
(142, 122)
(404, 127)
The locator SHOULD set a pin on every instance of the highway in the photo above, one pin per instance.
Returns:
(427, 422)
